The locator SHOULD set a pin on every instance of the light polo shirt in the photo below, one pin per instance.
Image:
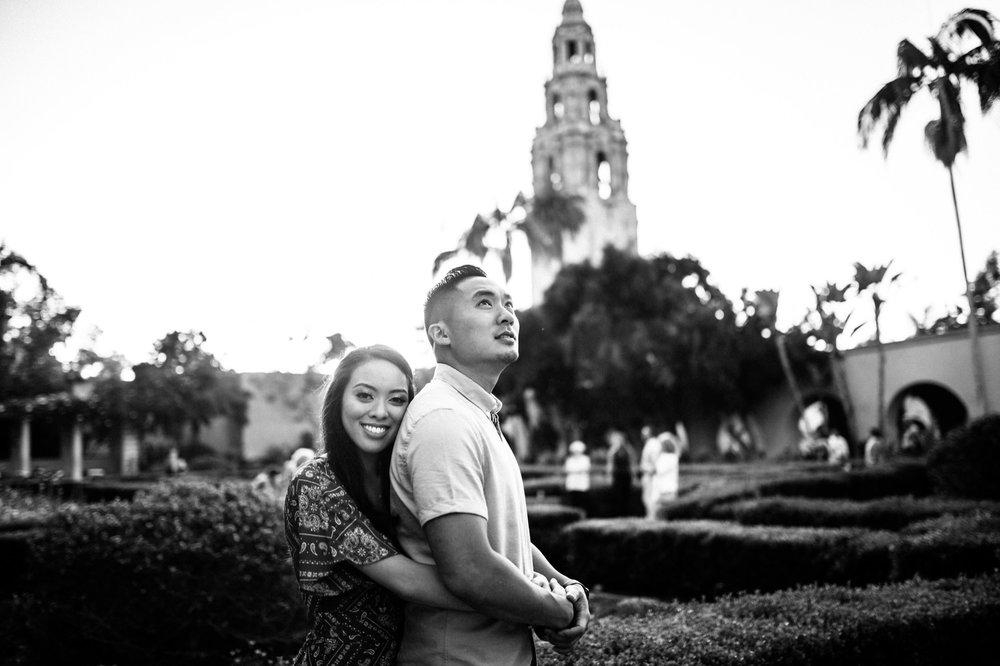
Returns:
(449, 457)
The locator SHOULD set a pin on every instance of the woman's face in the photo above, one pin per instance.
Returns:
(374, 402)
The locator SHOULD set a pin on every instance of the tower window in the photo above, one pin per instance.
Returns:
(558, 108)
(572, 51)
(555, 179)
(595, 107)
(588, 52)
(603, 176)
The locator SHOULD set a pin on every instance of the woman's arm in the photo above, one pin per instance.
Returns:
(413, 581)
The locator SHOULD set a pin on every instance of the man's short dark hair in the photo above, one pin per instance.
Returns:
(447, 285)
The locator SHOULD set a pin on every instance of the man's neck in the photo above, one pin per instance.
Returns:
(486, 378)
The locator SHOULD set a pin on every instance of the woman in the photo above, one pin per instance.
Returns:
(352, 576)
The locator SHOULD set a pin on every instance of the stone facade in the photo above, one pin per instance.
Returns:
(581, 150)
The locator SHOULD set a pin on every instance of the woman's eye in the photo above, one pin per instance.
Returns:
(363, 395)
(398, 401)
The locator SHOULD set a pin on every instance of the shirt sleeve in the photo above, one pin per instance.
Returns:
(329, 527)
(447, 466)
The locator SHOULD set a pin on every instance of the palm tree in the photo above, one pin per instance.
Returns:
(831, 325)
(942, 72)
(542, 220)
(873, 281)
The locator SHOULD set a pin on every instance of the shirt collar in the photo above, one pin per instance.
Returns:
(472, 391)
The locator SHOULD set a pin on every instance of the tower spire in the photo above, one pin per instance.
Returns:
(581, 151)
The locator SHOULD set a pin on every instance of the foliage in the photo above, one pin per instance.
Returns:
(966, 463)
(639, 339)
(985, 297)
(185, 573)
(545, 521)
(889, 513)
(692, 559)
(940, 72)
(903, 479)
(33, 320)
(543, 220)
(917, 622)
(183, 385)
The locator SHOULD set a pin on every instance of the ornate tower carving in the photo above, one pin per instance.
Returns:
(581, 150)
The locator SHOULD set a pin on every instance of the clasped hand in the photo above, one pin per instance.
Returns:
(564, 639)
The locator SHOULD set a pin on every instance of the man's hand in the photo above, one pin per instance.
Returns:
(563, 640)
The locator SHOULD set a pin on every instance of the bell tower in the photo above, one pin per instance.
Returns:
(581, 150)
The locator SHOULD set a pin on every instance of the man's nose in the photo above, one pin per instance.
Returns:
(506, 316)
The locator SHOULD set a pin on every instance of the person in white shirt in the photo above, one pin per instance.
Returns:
(577, 468)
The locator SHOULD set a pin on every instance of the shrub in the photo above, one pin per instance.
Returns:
(691, 559)
(904, 478)
(918, 622)
(546, 522)
(890, 513)
(185, 573)
(966, 463)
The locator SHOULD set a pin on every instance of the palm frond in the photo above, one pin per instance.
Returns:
(978, 22)
(910, 58)
(441, 258)
(946, 135)
(885, 108)
(506, 260)
(985, 74)
(475, 238)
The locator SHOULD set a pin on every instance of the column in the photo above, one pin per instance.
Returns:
(24, 448)
(76, 452)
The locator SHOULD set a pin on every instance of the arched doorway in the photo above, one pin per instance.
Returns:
(946, 408)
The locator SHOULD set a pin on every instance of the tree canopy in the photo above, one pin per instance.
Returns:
(639, 340)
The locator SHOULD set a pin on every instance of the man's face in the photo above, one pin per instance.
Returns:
(481, 324)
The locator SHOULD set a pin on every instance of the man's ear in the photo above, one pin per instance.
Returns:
(438, 332)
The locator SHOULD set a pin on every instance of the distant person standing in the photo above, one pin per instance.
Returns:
(876, 448)
(619, 467)
(666, 474)
(577, 468)
(647, 466)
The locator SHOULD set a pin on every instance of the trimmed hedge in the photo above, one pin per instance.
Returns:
(184, 574)
(967, 462)
(546, 521)
(890, 513)
(918, 622)
(692, 559)
(904, 478)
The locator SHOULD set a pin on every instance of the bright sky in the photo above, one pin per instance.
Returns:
(273, 171)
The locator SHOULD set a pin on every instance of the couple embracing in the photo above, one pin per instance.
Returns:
(409, 534)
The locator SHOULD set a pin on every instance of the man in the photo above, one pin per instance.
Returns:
(458, 494)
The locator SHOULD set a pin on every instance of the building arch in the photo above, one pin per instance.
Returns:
(837, 414)
(947, 408)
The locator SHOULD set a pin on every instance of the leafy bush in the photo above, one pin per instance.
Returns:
(917, 622)
(905, 478)
(185, 573)
(692, 559)
(890, 513)
(966, 463)
(545, 521)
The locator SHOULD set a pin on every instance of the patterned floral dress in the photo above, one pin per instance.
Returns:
(354, 620)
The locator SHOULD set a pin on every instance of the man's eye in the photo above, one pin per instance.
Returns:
(486, 301)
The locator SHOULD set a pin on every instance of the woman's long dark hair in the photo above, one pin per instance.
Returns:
(341, 451)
